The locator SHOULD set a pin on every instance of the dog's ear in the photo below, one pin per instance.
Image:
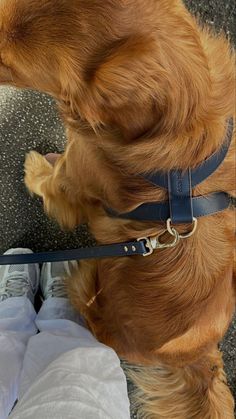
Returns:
(138, 88)
(118, 90)
(124, 87)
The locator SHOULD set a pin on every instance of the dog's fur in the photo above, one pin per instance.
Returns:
(141, 87)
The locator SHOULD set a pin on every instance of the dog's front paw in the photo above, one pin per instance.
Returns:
(37, 170)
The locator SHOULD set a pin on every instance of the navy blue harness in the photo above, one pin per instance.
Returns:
(181, 208)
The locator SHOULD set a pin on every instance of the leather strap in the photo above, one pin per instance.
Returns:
(106, 251)
(180, 197)
(202, 206)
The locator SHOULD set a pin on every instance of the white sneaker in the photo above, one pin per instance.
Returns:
(52, 279)
(19, 280)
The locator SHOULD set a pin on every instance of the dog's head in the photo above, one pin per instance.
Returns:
(133, 64)
(42, 41)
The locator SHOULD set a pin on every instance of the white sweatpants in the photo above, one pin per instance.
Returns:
(61, 372)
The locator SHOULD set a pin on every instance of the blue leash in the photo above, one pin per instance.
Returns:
(106, 251)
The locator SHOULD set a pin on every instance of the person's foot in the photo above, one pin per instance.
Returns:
(52, 279)
(19, 280)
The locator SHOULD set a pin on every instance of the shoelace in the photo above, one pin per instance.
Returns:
(56, 288)
(16, 286)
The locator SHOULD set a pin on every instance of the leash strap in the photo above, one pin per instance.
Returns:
(106, 251)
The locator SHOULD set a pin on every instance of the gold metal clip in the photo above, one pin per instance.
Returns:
(148, 245)
(173, 232)
(154, 243)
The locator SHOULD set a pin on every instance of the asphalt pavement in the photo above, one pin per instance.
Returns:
(29, 120)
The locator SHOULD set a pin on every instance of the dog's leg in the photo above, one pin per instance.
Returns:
(50, 183)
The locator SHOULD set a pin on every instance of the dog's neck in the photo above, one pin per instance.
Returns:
(154, 152)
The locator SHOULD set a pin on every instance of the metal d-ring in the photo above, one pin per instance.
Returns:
(172, 230)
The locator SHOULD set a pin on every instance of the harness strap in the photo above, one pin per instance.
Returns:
(180, 197)
(106, 251)
(201, 206)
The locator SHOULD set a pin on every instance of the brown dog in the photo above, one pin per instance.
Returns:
(141, 88)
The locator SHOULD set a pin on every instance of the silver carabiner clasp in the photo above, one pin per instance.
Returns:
(154, 243)
(173, 243)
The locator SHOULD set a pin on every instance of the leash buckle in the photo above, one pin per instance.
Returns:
(148, 244)
(154, 243)
(175, 241)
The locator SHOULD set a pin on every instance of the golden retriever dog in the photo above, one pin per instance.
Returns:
(141, 87)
